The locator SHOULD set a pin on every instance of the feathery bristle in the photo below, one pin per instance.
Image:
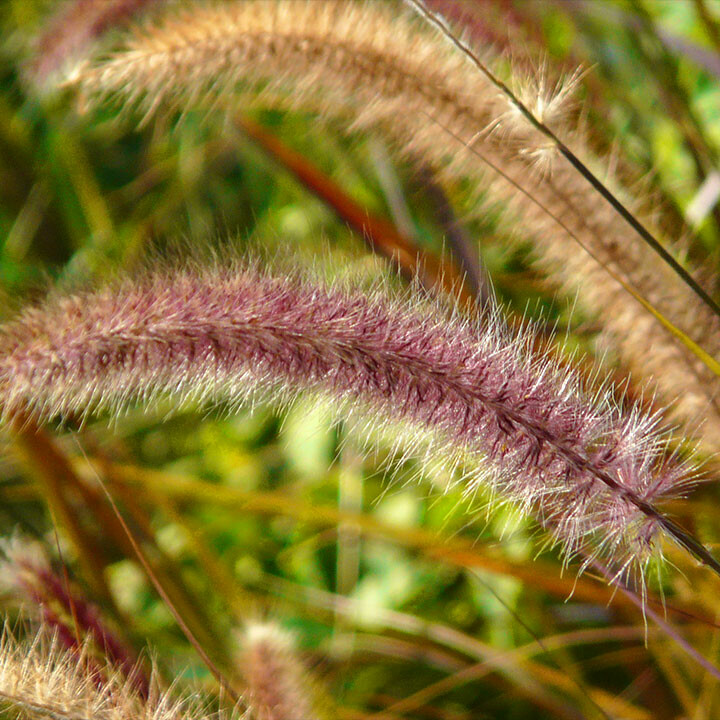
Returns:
(41, 679)
(28, 574)
(72, 30)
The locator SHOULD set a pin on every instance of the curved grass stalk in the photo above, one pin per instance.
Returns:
(378, 66)
(564, 150)
(587, 470)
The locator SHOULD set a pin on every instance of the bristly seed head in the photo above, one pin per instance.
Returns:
(278, 686)
(41, 679)
(587, 470)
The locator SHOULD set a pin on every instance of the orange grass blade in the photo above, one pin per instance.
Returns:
(453, 550)
(380, 234)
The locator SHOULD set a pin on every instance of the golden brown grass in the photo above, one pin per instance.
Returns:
(40, 679)
(190, 335)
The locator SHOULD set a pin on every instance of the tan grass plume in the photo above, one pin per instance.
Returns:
(41, 679)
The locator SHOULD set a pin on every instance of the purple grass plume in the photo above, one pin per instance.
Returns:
(70, 32)
(448, 387)
(64, 610)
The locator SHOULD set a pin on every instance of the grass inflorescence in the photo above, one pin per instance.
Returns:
(584, 467)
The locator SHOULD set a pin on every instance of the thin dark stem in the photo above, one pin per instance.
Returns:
(548, 652)
(705, 357)
(575, 161)
(461, 245)
(691, 544)
(223, 682)
(679, 534)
